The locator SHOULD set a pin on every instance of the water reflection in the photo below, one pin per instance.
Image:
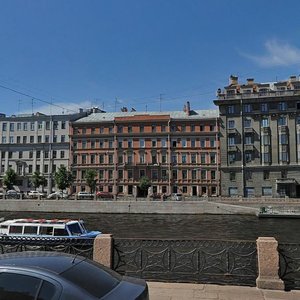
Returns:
(180, 226)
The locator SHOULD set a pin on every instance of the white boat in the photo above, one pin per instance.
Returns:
(46, 228)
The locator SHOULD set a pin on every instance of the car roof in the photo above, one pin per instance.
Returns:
(52, 261)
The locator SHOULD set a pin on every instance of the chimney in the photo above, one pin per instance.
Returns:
(233, 80)
(250, 81)
(188, 108)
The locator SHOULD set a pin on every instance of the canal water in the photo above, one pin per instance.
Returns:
(226, 227)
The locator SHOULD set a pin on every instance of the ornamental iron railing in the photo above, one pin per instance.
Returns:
(205, 261)
(77, 246)
(289, 265)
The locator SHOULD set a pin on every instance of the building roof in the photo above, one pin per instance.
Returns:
(110, 116)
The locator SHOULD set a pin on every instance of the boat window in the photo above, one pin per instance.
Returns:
(3, 226)
(60, 232)
(15, 229)
(74, 229)
(46, 230)
(30, 230)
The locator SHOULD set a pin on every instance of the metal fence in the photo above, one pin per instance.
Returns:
(205, 261)
(289, 265)
(83, 247)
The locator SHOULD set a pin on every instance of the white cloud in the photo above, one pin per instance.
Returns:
(58, 108)
(277, 54)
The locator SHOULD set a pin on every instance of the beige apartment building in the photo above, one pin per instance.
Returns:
(260, 138)
(177, 150)
(34, 142)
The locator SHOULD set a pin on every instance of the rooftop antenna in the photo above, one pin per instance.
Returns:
(116, 101)
(19, 105)
(160, 98)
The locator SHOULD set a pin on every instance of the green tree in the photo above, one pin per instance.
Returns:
(10, 178)
(144, 184)
(91, 180)
(63, 178)
(38, 180)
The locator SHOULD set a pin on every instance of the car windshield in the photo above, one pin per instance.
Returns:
(75, 229)
(97, 280)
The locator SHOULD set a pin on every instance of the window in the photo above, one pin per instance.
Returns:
(153, 128)
(232, 176)
(39, 138)
(154, 174)
(30, 154)
(283, 139)
(183, 143)
(231, 124)
(248, 139)
(4, 126)
(266, 191)
(38, 154)
(47, 139)
(130, 174)
(120, 129)
(40, 125)
(101, 174)
(193, 143)
(184, 174)
(54, 154)
(18, 286)
(247, 108)
(63, 124)
(231, 157)
(265, 139)
(55, 139)
(247, 123)
(4, 140)
(47, 125)
(129, 143)
(62, 154)
(183, 158)
(266, 175)
(248, 156)
(231, 109)
(19, 126)
(282, 121)
(264, 107)
(110, 159)
(203, 174)
(231, 140)
(141, 128)
(265, 122)
(32, 126)
(25, 126)
(193, 158)
(203, 158)
(55, 125)
(163, 128)
(213, 175)
(154, 143)
(18, 139)
(12, 126)
(129, 129)
(282, 106)
(63, 138)
(20, 154)
(249, 192)
(142, 143)
(192, 128)
(11, 139)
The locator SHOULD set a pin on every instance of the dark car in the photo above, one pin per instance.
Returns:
(104, 195)
(39, 275)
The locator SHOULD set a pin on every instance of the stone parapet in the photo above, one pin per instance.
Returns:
(102, 253)
(268, 264)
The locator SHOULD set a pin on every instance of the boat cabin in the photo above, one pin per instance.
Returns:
(45, 228)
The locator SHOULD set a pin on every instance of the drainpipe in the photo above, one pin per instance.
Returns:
(169, 160)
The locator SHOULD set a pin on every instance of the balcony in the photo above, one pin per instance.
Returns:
(232, 148)
(232, 131)
(249, 130)
(249, 147)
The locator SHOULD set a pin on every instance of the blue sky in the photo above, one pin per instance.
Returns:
(127, 53)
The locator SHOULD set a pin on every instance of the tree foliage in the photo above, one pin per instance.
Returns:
(90, 178)
(10, 178)
(63, 178)
(38, 180)
(144, 183)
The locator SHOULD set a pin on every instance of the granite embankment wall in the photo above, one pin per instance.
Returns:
(139, 207)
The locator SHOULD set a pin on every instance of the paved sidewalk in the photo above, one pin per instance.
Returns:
(188, 291)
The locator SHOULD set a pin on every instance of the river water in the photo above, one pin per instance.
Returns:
(226, 227)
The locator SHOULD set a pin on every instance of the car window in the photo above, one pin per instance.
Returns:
(47, 291)
(96, 281)
(18, 287)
